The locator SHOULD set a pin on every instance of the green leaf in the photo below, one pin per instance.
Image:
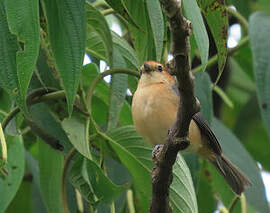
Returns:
(51, 165)
(143, 38)
(8, 68)
(67, 32)
(259, 39)
(182, 193)
(118, 6)
(90, 180)
(43, 119)
(126, 50)
(205, 195)
(99, 39)
(134, 8)
(192, 12)
(22, 199)
(217, 19)
(10, 183)
(118, 90)
(76, 131)
(157, 24)
(23, 21)
(241, 158)
(135, 154)
(203, 92)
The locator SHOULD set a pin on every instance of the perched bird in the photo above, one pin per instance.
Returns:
(154, 110)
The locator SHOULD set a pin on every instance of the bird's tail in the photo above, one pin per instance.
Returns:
(233, 176)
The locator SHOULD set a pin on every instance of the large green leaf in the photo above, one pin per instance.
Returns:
(15, 168)
(23, 21)
(135, 154)
(157, 24)
(126, 50)
(118, 90)
(260, 45)
(21, 200)
(90, 180)
(8, 46)
(134, 8)
(99, 39)
(49, 126)
(236, 153)
(77, 133)
(217, 19)
(51, 165)
(193, 13)
(143, 38)
(67, 32)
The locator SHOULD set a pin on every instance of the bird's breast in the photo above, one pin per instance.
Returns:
(154, 110)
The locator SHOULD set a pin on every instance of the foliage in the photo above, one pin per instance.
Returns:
(69, 139)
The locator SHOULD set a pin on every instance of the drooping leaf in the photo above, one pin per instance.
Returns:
(217, 19)
(32, 165)
(134, 8)
(99, 39)
(135, 154)
(117, 5)
(126, 50)
(259, 39)
(67, 32)
(50, 165)
(8, 45)
(76, 131)
(23, 21)
(182, 193)
(157, 24)
(193, 13)
(90, 180)
(42, 118)
(203, 92)
(143, 38)
(9, 184)
(241, 158)
(118, 90)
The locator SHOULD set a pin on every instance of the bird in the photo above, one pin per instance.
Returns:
(154, 110)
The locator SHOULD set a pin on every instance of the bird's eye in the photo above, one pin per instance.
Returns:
(160, 69)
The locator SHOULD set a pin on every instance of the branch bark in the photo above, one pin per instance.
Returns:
(164, 156)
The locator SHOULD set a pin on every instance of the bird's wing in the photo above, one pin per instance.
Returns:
(207, 132)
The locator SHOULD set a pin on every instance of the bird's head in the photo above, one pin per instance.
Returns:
(155, 72)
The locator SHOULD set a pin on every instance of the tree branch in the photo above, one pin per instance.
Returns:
(164, 156)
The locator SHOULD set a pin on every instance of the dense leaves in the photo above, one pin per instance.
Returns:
(90, 158)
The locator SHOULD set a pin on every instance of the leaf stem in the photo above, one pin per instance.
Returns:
(107, 12)
(214, 59)
(68, 159)
(32, 99)
(233, 203)
(4, 147)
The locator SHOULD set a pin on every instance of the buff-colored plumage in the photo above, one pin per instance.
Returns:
(154, 111)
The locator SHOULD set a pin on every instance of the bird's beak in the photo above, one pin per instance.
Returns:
(147, 68)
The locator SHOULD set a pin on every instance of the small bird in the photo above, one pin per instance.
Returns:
(154, 110)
